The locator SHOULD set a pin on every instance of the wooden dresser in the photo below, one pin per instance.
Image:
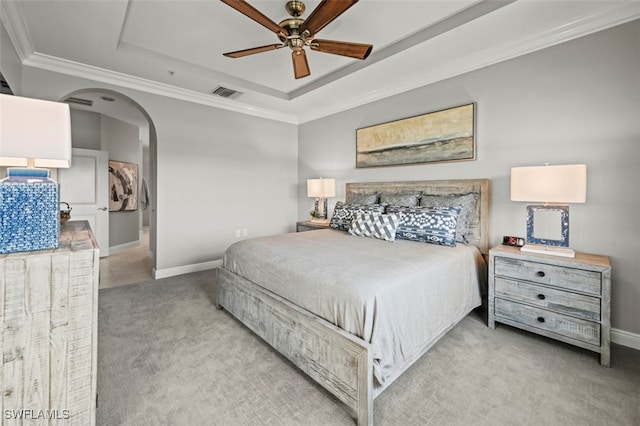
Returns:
(48, 315)
(567, 299)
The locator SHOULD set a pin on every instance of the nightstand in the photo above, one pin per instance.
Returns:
(307, 225)
(567, 299)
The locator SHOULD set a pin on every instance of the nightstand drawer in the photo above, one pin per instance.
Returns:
(563, 302)
(584, 331)
(560, 276)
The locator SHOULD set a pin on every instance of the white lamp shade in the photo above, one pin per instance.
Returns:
(550, 184)
(33, 129)
(321, 188)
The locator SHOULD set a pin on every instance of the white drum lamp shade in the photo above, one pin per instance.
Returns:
(550, 184)
(321, 188)
(34, 133)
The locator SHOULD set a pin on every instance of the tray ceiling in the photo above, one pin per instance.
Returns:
(175, 47)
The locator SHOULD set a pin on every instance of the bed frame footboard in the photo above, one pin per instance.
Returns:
(338, 361)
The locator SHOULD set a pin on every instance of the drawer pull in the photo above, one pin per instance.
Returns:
(540, 319)
(541, 274)
(541, 296)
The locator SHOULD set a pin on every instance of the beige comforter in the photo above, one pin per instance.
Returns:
(399, 296)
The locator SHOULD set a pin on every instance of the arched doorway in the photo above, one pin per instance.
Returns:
(98, 118)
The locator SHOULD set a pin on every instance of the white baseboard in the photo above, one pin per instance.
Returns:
(123, 247)
(625, 338)
(180, 270)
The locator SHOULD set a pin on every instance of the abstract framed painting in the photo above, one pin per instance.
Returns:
(123, 186)
(445, 135)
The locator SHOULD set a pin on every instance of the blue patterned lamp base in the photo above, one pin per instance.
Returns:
(29, 214)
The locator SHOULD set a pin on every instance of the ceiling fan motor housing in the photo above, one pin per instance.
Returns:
(292, 27)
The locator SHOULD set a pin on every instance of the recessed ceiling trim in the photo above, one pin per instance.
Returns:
(465, 16)
(75, 69)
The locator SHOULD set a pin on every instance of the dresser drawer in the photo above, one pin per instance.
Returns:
(581, 280)
(584, 331)
(563, 302)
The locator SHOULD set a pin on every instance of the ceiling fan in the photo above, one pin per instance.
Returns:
(296, 33)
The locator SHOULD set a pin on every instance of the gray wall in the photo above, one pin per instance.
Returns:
(577, 102)
(122, 141)
(85, 129)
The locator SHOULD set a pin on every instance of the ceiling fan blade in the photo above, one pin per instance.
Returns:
(253, 13)
(246, 52)
(343, 48)
(327, 11)
(300, 64)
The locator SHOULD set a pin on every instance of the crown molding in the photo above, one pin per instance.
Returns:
(89, 72)
(13, 20)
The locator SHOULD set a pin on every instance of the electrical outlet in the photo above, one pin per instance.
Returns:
(238, 233)
(245, 232)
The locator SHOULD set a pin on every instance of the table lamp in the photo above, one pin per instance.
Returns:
(321, 189)
(33, 134)
(556, 187)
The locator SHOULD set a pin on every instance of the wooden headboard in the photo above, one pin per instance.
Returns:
(479, 226)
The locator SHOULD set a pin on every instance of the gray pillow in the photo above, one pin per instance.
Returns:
(354, 198)
(466, 201)
(405, 199)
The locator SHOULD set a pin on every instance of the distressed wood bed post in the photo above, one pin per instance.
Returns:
(364, 411)
(333, 358)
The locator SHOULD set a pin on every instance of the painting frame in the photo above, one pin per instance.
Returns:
(444, 135)
(123, 186)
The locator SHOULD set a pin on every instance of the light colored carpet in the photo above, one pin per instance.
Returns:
(166, 356)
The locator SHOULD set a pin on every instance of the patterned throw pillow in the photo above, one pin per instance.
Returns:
(375, 225)
(466, 201)
(425, 224)
(353, 198)
(343, 214)
(407, 199)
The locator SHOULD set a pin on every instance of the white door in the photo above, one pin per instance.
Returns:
(85, 186)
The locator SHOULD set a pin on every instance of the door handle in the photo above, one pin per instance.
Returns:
(104, 209)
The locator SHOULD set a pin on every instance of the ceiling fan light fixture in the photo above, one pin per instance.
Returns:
(296, 43)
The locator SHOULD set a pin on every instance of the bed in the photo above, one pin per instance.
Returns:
(354, 313)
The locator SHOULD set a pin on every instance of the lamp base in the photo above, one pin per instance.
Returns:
(549, 250)
(29, 211)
